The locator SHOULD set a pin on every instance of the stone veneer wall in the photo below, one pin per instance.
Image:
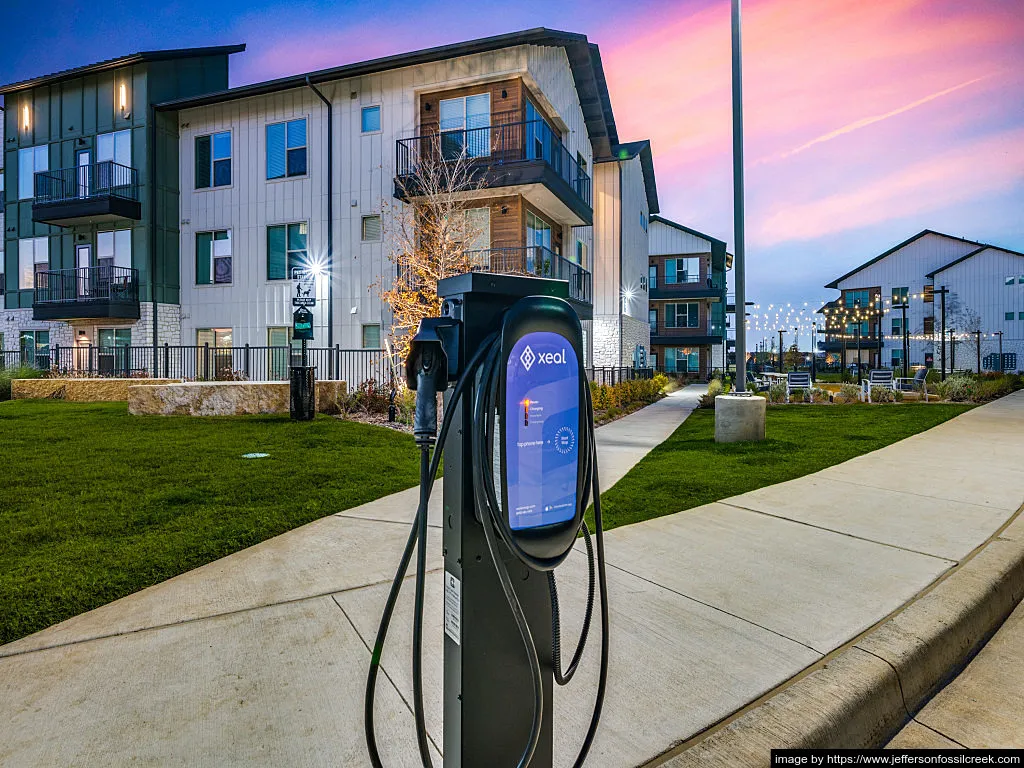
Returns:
(13, 321)
(79, 390)
(615, 338)
(225, 398)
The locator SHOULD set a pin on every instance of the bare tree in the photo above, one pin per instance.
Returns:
(429, 236)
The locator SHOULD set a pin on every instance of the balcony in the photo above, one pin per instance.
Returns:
(711, 288)
(537, 261)
(87, 194)
(86, 293)
(528, 155)
(662, 334)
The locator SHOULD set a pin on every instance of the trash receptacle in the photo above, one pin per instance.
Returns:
(303, 392)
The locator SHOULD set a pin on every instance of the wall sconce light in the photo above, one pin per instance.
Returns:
(123, 100)
(427, 107)
(504, 93)
(504, 210)
(25, 118)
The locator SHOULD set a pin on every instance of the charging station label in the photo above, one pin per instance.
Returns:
(542, 415)
(452, 607)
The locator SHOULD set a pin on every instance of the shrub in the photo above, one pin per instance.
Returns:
(7, 375)
(612, 400)
(848, 393)
(897, 395)
(799, 396)
(992, 386)
(818, 395)
(934, 376)
(882, 395)
(369, 398)
(777, 393)
(958, 388)
(715, 387)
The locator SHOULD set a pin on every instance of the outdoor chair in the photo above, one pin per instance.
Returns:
(880, 377)
(915, 383)
(797, 380)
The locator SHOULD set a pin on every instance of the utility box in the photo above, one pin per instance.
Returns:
(303, 392)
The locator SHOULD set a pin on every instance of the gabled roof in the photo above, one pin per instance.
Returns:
(918, 236)
(584, 61)
(122, 61)
(975, 252)
(719, 256)
(641, 149)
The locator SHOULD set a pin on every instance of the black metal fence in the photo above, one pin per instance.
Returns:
(492, 146)
(83, 182)
(205, 363)
(105, 284)
(612, 376)
(538, 261)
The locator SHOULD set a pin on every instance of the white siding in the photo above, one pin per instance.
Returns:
(907, 268)
(363, 173)
(979, 300)
(634, 241)
(667, 241)
(607, 226)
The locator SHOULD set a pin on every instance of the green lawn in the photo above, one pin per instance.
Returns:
(96, 504)
(690, 469)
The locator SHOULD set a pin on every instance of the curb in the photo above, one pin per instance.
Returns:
(863, 696)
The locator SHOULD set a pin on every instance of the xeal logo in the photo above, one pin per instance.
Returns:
(528, 358)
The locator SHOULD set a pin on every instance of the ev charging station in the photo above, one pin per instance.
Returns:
(520, 467)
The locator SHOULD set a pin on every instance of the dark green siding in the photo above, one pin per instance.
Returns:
(67, 116)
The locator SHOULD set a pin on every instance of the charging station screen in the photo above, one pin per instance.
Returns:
(542, 417)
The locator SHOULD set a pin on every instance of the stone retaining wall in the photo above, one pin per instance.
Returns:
(224, 398)
(79, 390)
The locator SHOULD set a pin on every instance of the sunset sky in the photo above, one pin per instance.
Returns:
(866, 120)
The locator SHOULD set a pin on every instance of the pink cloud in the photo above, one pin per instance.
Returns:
(983, 167)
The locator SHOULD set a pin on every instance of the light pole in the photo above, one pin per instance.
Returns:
(952, 350)
(942, 294)
(977, 339)
(782, 360)
(739, 263)
(1000, 335)
(814, 352)
(903, 335)
(856, 306)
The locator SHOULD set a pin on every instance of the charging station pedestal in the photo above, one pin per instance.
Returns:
(488, 696)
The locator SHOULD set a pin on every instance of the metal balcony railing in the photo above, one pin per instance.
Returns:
(87, 182)
(538, 261)
(494, 146)
(104, 284)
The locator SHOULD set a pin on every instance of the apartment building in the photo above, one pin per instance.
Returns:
(91, 217)
(687, 287)
(259, 195)
(981, 287)
(625, 198)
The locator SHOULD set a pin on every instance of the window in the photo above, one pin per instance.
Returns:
(286, 250)
(370, 119)
(929, 326)
(929, 294)
(35, 348)
(33, 257)
(463, 124)
(31, 161)
(851, 329)
(643, 221)
(643, 283)
(581, 252)
(860, 298)
(1020, 315)
(114, 249)
(213, 356)
(682, 270)
(213, 160)
(281, 345)
(371, 336)
(899, 295)
(478, 229)
(1007, 315)
(213, 257)
(652, 276)
(1009, 280)
(652, 320)
(1019, 279)
(286, 149)
(684, 315)
(896, 361)
(115, 147)
(897, 326)
(682, 360)
(371, 228)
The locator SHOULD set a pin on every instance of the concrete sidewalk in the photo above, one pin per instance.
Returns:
(249, 660)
